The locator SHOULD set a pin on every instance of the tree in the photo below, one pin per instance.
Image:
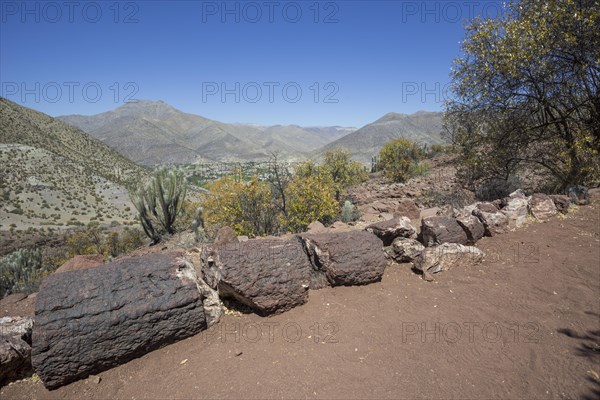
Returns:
(525, 94)
(159, 203)
(397, 157)
(343, 170)
(279, 178)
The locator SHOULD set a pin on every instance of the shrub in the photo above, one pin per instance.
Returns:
(21, 272)
(397, 157)
(245, 207)
(311, 198)
(344, 172)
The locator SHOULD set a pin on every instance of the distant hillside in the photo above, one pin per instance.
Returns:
(422, 127)
(53, 173)
(153, 132)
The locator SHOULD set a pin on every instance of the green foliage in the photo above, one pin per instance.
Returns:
(245, 207)
(311, 198)
(21, 272)
(159, 203)
(344, 172)
(93, 240)
(397, 157)
(525, 94)
(418, 169)
(350, 212)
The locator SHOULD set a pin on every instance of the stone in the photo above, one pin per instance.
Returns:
(316, 227)
(19, 327)
(225, 235)
(561, 202)
(81, 262)
(487, 207)
(516, 210)
(408, 208)
(473, 228)
(495, 223)
(243, 238)
(15, 358)
(406, 250)
(541, 206)
(268, 275)
(438, 230)
(579, 195)
(88, 321)
(345, 258)
(339, 225)
(447, 256)
(389, 230)
(518, 194)
(429, 212)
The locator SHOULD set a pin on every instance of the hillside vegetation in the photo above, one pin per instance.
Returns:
(54, 174)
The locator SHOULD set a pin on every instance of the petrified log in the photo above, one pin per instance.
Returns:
(268, 275)
(90, 320)
(345, 258)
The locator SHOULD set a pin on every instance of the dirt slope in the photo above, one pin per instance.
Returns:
(524, 324)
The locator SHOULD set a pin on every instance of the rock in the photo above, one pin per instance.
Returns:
(561, 202)
(19, 327)
(518, 194)
(348, 258)
(447, 211)
(516, 210)
(405, 250)
(473, 228)
(447, 256)
(339, 225)
(94, 379)
(225, 235)
(389, 230)
(429, 212)
(385, 206)
(243, 238)
(90, 320)
(579, 195)
(541, 206)
(15, 358)
(495, 223)
(498, 203)
(81, 262)
(269, 276)
(438, 230)
(408, 208)
(487, 207)
(316, 227)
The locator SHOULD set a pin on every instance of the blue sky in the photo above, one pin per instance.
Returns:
(266, 62)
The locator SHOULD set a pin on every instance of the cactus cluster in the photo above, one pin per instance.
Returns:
(349, 212)
(21, 272)
(159, 203)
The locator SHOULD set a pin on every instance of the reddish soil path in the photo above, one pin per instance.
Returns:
(524, 324)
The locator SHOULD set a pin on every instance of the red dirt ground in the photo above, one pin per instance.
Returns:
(523, 324)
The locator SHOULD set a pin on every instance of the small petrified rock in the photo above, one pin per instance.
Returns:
(473, 228)
(561, 202)
(447, 256)
(541, 206)
(391, 229)
(438, 230)
(406, 250)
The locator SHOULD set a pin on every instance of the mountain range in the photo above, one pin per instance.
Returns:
(153, 132)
